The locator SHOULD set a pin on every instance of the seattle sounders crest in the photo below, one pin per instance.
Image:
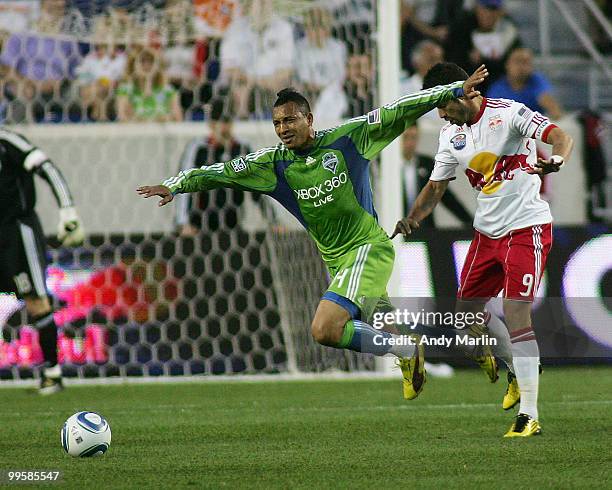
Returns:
(330, 162)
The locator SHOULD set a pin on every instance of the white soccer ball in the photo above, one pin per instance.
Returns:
(86, 434)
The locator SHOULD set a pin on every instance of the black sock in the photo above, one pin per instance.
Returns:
(47, 334)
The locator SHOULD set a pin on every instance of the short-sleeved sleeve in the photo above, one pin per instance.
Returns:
(530, 124)
(445, 164)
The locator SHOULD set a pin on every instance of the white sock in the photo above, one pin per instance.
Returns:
(503, 349)
(526, 360)
(407, 350)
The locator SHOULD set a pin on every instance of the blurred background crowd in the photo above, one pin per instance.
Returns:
(169, 60)
(220, 61)
(166, 60)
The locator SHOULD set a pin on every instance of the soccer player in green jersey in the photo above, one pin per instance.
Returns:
(322, 178)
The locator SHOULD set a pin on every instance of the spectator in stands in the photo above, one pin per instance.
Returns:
(321, 70)
(353, 24)
(425, 55)
(47, 62)
(17, 16)
(426, 19)
(213, 17)
(523, 84)
(19, 106)
(99, 74)
(484, 34)
(145, 94)
(194, 29)
(418, 23)
(191, 72)
(257, 56)
(358, 85)
(53, 19)
(180, 58)
(415, 174)
(219, 146)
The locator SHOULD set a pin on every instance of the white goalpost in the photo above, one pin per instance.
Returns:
(389, 188)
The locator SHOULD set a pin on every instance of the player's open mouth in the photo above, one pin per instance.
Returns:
(287, 139)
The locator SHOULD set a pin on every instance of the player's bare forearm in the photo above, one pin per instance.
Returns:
(427, 200)
(162, 191)
(562, 145)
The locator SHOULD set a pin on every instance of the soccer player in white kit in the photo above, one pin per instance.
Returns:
(493, 142)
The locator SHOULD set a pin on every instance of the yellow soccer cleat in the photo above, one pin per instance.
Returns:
(413, 370)
(513, 393)
(524, 426)
(483, 355)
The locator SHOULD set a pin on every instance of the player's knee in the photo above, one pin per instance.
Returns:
(38, 306)
(326, 333)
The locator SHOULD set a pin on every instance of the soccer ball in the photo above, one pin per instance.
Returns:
(86, 434)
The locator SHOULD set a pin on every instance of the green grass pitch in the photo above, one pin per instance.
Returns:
(320, 434)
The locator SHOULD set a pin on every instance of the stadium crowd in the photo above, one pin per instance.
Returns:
(167, 60)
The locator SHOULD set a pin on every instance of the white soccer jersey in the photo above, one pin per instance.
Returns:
(495, 151)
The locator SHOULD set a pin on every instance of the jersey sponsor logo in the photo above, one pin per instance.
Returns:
(374, 116)
(238, 164)
(486, 171)
(459, 141)
(320, 194)
(495, 122)
(330, 162)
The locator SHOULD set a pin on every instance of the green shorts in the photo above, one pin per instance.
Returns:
(359, 279)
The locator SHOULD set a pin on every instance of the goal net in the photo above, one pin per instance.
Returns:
(117, 93)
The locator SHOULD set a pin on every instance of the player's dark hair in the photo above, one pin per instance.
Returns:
(289, 94)
(443, 74)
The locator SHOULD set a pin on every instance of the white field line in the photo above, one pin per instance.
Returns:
(231, 378)
(170, 409)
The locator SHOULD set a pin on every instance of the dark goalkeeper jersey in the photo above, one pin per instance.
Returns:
(327, 187)
(19, 160)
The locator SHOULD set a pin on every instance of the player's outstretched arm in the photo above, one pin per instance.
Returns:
(162, 191)
(379, 127)
(474, 80)
(425, 203)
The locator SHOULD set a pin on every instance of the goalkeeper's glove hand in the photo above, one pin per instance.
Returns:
(70, 230)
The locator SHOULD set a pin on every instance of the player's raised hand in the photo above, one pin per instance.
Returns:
(547, 166)
(405, 227)
(162, 191)
(476, 78)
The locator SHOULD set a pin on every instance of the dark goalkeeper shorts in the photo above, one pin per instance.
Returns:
(22, 258)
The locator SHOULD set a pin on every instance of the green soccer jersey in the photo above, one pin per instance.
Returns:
(327, 186)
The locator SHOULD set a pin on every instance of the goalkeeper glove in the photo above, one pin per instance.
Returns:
(70, 231)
